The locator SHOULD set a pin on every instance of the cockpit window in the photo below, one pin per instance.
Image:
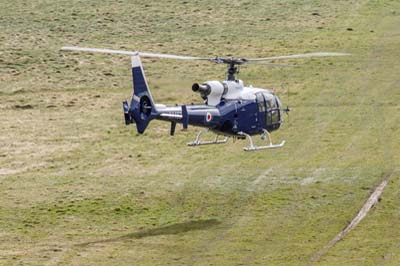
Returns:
(269, 107)
(273, 114)
(260, 101)
(270, 99)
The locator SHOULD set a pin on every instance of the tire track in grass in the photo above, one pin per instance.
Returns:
(371, 201)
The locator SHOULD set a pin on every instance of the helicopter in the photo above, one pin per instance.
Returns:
(230, 108)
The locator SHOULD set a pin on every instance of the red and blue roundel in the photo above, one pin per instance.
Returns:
(208, 117)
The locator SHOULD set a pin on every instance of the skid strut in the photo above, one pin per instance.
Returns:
(198, 142)
(265, 135)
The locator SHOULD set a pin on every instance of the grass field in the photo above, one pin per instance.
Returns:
(79, 188)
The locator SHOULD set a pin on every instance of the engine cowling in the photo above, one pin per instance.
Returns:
(211, 90)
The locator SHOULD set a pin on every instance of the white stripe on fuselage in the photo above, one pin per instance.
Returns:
(178, 116)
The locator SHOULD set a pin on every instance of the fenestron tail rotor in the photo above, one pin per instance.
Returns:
(231, 62)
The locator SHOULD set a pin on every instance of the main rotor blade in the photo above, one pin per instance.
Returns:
(296, 56)
(143, 54)
(269, 64)
(215, 60)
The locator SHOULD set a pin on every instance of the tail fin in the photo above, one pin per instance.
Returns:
(142, 108)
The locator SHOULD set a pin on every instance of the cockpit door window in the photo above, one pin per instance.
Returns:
(261, 102)
(273, 117)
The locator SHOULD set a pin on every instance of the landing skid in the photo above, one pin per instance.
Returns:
(198, 142)
(265, 135)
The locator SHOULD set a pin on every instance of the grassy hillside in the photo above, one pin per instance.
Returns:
(79, 188)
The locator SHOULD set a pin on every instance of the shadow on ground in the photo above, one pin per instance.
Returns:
(172, 229)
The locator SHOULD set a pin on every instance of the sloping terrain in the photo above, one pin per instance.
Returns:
(79, 188)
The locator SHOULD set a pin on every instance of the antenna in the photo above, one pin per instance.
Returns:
(287, 88)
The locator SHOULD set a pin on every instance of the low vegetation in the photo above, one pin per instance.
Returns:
(79, 188)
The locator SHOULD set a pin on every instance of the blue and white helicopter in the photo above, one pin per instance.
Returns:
(230, 109)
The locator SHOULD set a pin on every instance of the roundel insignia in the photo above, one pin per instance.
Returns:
(208, 117)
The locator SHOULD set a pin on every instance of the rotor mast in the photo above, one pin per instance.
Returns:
(232, 70)
(232, 65)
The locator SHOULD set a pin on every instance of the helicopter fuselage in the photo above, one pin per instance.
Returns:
(252, 112)
(230, 108)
